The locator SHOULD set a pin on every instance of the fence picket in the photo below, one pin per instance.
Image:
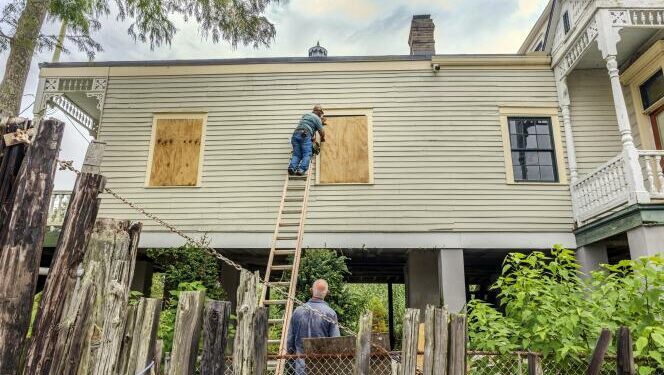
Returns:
(411, 323)
(363, 345)
(457, 360)
(188, 322)
(215, 335)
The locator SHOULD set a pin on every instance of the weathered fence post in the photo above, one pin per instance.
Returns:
(435, 341)
(113, 247)
(457, 332)
(363, 345)
(260, 332)
(158, 354)
(215, 335)
(534, 364)
(21, 241)
(602, 346)
(247, 360)
(411, 331)
(11, 158)
(625, 360)
(125, 345)
(188, 322)
(142, 350)
(70, 250)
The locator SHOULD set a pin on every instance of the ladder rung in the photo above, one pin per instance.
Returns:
(275, 321)
(291, 212)
(273, 341)
(289, 224)
(284, 252)
(293, 199)
(275, 302)
(296, 188)
(279, 283)
(288, 238)
(282, 267)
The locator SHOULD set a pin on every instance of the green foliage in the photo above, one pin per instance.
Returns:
(379, 311)
(33, 314)
(328, 265)
(151, 21)
(188, 264)
(548, 307)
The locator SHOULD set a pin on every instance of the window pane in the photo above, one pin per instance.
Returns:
(545, 158)
(543, 128)
(652, 90)
(544, 141)
(518, 173)
(529, 127)
(517, 158)
(547, 174)
(532, 173)
(512, 126)
(531, 158)
(531, 141)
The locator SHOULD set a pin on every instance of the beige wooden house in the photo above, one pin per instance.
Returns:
(436, 165)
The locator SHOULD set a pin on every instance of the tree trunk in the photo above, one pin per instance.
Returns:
(21, 241)
(22, 46)
(62, 277)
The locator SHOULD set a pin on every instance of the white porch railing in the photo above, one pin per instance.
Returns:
(651, 164)
(600, 191)
(607, 187)
(57, 208)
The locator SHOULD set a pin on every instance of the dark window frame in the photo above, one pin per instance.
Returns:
(523, 149)
(566, 22)
(646, 100)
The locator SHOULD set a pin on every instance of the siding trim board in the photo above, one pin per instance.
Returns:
(375, 240)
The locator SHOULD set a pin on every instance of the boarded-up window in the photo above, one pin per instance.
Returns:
(176, 151)
(344, 157)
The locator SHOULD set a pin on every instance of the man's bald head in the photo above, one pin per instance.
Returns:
(319, 289)
(318, 110)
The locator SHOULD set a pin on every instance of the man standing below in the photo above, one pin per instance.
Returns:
(302, 140)
(308, 321)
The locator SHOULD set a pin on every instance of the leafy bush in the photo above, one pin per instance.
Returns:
(328, 265)
(546, 306)
(187, 264)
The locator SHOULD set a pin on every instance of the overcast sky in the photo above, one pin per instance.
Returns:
(344, 27)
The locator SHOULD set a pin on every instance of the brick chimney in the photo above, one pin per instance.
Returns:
(421, 39)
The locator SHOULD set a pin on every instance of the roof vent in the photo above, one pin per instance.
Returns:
(421, 40)
(317, 51)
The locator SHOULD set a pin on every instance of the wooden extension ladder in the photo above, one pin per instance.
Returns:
(284, 262)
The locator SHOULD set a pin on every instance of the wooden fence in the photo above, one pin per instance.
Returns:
(85, 323)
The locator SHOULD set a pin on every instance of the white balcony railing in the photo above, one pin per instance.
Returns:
(651, 164)
(601, 190)
(607, 187)
(57, 208)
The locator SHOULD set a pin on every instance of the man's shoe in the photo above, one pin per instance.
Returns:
(300, 172)
(291, 172)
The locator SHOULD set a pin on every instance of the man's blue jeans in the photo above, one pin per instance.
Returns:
(302, 150)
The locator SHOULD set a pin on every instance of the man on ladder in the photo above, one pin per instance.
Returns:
(303, 138)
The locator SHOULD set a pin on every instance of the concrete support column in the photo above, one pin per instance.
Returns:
(452, 279)
(590, 257)
(422, 285)
(645, 241)
(142, 281)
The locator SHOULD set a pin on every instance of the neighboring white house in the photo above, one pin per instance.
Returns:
(436, 165)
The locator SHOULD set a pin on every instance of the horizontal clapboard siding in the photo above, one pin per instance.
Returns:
(594, 122)
(437, 148)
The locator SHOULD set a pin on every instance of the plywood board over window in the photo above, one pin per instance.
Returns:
(346, 155)
(176, 150)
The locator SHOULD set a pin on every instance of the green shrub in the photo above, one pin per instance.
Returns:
(546, 306)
